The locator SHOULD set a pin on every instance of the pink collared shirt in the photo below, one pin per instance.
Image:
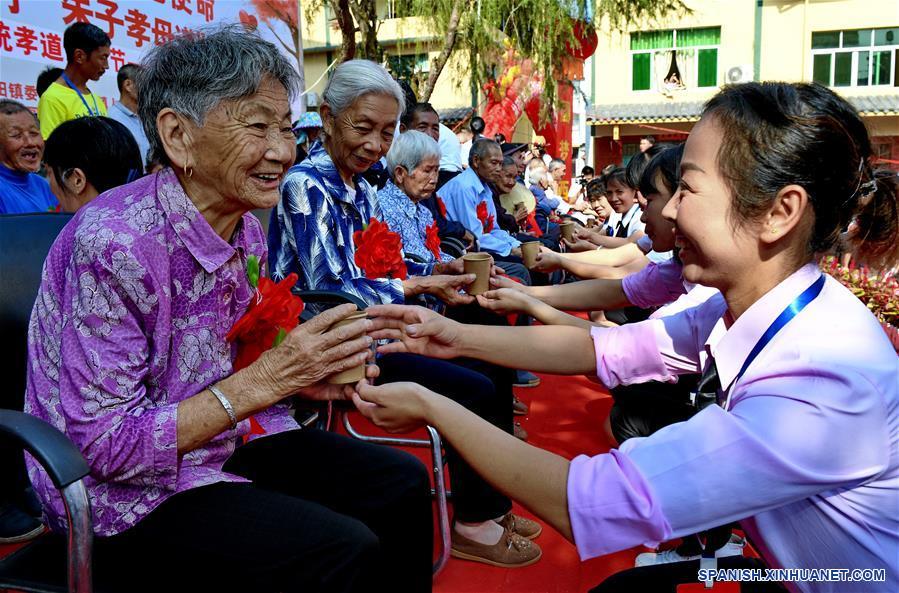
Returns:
(806, 456)
(656, 284)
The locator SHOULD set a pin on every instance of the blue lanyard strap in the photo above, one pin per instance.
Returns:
(68, 81)
(798, 304)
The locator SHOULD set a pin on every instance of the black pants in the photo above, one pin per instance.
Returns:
(665, 578)
(467, 382)
(640, 410)
(324, 513)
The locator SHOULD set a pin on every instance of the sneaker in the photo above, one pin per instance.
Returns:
(732, 548)
(519, 432)
(519, 408)
(526, 379)
(511, 551)
(16, 526)
(522, 526)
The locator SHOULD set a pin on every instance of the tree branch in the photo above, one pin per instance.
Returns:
(449, 43)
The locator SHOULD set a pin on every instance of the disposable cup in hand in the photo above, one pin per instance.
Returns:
(354, 374)
(479, 265)
(567, 231)
(529, 253)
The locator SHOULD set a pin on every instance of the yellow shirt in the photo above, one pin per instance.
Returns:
(59, 103)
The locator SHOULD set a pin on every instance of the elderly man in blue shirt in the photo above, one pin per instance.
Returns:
(469, 200)
(21, 150)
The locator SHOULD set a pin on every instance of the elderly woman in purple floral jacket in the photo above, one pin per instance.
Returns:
(128, 357)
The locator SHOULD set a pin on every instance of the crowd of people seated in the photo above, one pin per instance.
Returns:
(733, 362)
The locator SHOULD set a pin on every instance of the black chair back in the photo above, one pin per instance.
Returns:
(25, 240)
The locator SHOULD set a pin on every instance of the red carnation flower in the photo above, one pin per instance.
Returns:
(441, 207)
(432, 240)
(532, 226)
(271, 315)
(379, 251)
(486, 220)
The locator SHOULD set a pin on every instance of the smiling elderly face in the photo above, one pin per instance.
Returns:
(245, 146)
(21, 145)
(361, 134)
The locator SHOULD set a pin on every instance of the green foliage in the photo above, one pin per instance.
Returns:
(537, 29)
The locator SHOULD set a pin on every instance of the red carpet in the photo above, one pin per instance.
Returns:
(566, 417)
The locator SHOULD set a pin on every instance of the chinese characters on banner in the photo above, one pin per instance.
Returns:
(31, 34)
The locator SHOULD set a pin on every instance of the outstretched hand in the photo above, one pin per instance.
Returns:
(547, 261)
(395, 407)
(506, 300)
(416, 330)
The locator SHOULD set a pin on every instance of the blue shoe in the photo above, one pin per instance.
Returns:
(526, 379)
(16, 526)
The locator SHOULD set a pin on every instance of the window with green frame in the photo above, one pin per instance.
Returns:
(856, 58)
(698, 46)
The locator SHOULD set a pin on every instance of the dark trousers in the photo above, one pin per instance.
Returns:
(467, 382)
(665, 578)
(640, 410)
(324, 513)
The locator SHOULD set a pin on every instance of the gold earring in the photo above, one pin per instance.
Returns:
(774, 230)
(188, 171)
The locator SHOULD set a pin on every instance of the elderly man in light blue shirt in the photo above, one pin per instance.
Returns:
(469, 200)
(125, 111)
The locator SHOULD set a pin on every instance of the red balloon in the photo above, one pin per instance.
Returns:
(584, 40)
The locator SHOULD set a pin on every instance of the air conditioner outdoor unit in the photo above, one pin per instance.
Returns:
(312, 99)
(737, 74)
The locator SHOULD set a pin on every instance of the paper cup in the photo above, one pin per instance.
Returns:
(529, 253)
(567, 231)
(478, 264)
(355, 374)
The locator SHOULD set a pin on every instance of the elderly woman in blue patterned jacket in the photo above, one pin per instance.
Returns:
(413, 163)
(324, 200)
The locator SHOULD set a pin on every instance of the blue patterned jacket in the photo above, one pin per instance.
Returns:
(311, 231)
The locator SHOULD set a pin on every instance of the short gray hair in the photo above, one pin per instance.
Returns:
(409, 149)
(480, 148)
(194, 73)
(10, 107)
(555, 164)
(537, 174)
(356, 78)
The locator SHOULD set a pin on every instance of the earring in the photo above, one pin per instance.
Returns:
(188, 171)
(774, 230)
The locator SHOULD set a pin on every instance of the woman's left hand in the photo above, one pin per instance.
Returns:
(395, 407)
(324, 391)
(547, 261)
(578, 245)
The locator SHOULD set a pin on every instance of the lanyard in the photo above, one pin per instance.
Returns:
(80, 96)
(787, 315)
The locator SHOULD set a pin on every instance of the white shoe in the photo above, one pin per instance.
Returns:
(732, 548)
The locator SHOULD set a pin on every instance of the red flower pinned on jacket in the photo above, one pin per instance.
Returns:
(532, 226)
(486, 220)
(441, 207)
(272, 313)
(432, 240)
(379, 251)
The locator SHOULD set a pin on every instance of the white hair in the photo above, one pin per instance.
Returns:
(409, 149)
(356, 78)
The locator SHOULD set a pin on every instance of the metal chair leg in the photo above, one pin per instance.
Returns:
(81, 537)
(435, 444)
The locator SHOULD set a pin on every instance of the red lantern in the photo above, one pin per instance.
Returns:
(584, 40)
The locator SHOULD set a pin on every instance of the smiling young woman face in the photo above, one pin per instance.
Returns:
(715, 249)
(361, 134)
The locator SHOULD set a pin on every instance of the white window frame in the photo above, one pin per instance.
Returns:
(693, 84)
(853, 76)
